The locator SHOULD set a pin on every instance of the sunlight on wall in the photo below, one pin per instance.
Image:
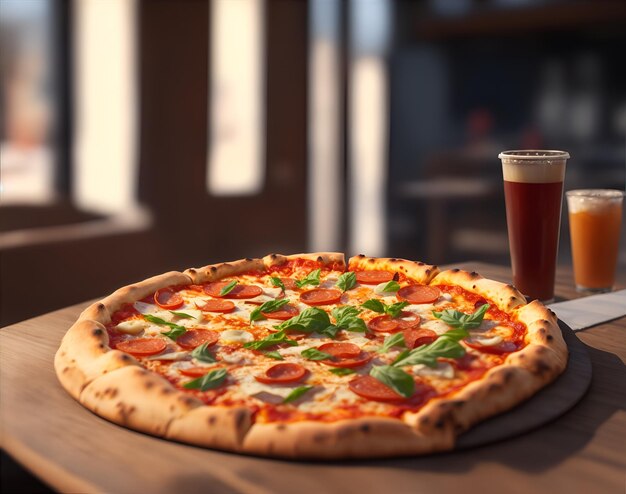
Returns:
(368, 117)
(105, 171)
(325, 173)
(368, 151)
(237, 79)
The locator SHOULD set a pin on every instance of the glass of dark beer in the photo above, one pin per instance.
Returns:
(533, 191)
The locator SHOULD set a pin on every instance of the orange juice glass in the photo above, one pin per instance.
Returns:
(595, 218)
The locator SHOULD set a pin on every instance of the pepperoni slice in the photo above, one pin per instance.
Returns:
(419, 294)
(418, 337)
(340, 349)
(239, 291)
(321, 296)
(196, 337)
(142, 347)
(387, 324)
(216, 305)
(373, 277)
(372, 389)
(168, 299)
(285, 312)
(499, 349)
(194, 371)
(361, 359)
(290, 283)
(282, 373)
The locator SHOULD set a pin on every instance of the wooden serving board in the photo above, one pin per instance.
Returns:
(74, 450)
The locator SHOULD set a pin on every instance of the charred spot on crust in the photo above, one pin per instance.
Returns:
(508, 375)
(474, 274)
(549, 337)
(320, 259)
(97, 332)
(541, 331)
(124, 357)
(101, 346)
(371, 261)
(473, 287)
(65, 370)
(493, 387)
(456, 270)
(425, 420)
(365, 428)
(541, 368)
(192, 271)
(273, 256)
(212, 419)
(320, 437)
(240, 417)
(166, 391)
(440, 423)
(249, 259)
(393, 259)
(427, 272)
(101, 306)
(281, 427)
(148, 384)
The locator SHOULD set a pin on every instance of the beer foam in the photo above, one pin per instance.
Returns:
(593, 201)
(533, 172)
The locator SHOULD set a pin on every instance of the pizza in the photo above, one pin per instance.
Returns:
(305, 356)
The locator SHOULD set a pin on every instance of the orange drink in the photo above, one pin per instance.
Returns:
(595, 218)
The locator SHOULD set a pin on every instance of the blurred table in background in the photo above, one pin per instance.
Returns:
(73, 450)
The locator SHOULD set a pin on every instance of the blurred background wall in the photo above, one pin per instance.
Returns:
(138, 136)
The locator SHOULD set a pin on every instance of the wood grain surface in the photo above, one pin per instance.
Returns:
(73, 450)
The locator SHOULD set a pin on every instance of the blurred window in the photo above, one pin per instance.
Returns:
(370, 28)
(236, 159)
(105, 104)
(325, 177)
(27, 120)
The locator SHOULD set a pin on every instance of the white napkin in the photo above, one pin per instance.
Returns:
(585, 312)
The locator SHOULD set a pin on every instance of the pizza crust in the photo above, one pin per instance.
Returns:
(215, 272)
(115, 386)
(507, 297)
(419, 271)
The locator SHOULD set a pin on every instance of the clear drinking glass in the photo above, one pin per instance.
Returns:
(533, 191)
(595, 219)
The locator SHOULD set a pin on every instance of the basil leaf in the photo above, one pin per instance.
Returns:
(174, 333)
(315, 354)
(391, 286)
(346, 318)
(274, 354)
(210, 380)
(461, 320)
(182, 315)
(269, 306)
(271, 340)
(394, 310)
(428, 354)
(374, 305)
(296, 393)
(313, 278)
(309, 320)
(346, 281)
(228, 288)
(342, 371)
(398, 380)
(202, 354)
(391, 341)
(277, 282)
(330, 331)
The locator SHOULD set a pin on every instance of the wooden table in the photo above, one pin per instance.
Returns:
(73, 450)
